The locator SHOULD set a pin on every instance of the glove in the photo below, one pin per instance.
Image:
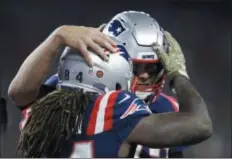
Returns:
(172, 60)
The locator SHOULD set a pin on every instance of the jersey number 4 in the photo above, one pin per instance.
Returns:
(83, 149)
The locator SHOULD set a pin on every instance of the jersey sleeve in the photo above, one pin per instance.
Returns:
(164, 103)
(128, 111)
(116, 111)
(129, 106)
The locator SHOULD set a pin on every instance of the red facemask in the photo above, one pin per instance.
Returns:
(153, 69)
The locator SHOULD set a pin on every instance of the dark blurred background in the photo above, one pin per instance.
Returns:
(202, 27)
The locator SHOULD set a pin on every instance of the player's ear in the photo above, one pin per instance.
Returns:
(102, 26)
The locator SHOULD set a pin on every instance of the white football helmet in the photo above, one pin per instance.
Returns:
(138, 31)
(104, 76)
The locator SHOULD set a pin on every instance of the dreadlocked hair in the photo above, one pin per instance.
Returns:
(53, 120)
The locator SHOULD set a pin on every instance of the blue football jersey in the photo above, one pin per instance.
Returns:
(107, 123)
(164, 103)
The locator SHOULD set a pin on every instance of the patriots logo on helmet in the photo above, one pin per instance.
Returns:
(116, 28)
(123, 52)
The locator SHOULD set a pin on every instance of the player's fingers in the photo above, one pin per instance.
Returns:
(85, 54)
(103, 40)
(157, 49)
(171, 39)
(99, 34)
(109, 40)
(105, 43)
(162, 55)
(102, 26)
(97, 49)
(106, 37)
(168, 35)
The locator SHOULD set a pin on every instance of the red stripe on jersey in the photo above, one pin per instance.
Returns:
(109, 111)
(93, 116)
(173, 101)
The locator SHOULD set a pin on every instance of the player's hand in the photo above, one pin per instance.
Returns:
(102, 26)
(84, 38)
(173, 60)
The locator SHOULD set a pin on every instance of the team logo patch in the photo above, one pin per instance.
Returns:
(116, 28)
(135, 107)
(99, 74)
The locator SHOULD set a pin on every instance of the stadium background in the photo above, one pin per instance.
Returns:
(202, 27)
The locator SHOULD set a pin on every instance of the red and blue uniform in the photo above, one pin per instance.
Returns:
(164, 103)
(107, 122)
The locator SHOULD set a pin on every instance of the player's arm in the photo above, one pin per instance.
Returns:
(25, 86)
(191, 125)
(169, 104)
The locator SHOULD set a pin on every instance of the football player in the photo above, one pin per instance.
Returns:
(138, 31)
(83, 113)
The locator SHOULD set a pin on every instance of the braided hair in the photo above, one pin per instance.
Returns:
(53, 120)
